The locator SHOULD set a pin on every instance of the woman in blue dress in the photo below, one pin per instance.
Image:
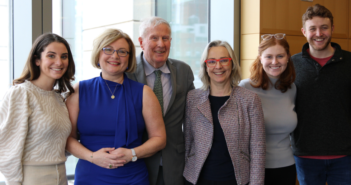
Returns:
(111, 113)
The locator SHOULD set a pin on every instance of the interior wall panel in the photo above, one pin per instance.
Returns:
(249, 46)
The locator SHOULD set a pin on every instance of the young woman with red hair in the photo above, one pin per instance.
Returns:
(272, 77)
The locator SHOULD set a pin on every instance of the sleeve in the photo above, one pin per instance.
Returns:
(190, 80)
(257, 142)
(14, 113)
(187, 130)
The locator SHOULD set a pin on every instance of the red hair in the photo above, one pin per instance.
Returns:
(259, 78)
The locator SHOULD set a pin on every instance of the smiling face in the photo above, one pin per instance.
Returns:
(53, 62)
(114, 65)
(156, 44)
(318, 32)
(274, 60)
(219, 74)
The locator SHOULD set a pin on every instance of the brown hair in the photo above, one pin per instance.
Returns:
(32, 72)
(259, 78)
(107, 37)
(317, 10)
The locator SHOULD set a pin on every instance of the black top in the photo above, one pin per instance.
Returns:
(323, 104)
(218, 165)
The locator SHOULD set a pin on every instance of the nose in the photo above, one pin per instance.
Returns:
(59, 61)
(318, 32)
(114, 54)
(274, 61)
(160, 42)
(218, 65)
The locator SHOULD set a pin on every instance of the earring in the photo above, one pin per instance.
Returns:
(99, 64)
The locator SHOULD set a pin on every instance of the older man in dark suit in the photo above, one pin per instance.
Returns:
(171, 80)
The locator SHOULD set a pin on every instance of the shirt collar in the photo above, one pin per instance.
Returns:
(149, 69)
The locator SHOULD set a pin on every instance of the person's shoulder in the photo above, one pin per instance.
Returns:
(196, 93)
(20, 88)
(18, 91)
(178, 63)
(346, 53)
(244, 92)
(245, 83)
(296, 56)
(135, 83)
(89, 80)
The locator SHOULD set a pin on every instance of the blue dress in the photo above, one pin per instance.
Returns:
(105, 122)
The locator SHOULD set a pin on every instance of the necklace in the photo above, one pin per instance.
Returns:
(113, 96)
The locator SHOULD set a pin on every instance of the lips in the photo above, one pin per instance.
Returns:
(160, 52)
(275, 67)
(114, 63)
(57, 69)
(219, 73)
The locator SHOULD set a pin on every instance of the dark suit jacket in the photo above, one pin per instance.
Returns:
(173, 155)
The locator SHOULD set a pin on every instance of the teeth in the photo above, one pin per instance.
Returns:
(275, 67)
(219, 73)
(57, 69)
(319, 39)
(159, 51)
(114, 63)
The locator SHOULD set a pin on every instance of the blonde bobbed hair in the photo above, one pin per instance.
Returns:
(107, 37)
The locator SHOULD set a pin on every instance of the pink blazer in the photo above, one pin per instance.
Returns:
(241, 119)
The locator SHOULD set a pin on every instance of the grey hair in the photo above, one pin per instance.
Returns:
(235, 75)
(151, 22)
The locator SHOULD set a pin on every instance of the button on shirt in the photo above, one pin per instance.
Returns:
(165, 79)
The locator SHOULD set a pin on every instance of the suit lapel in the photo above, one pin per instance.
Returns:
(140, 73)
(205, 107)
(173, 71)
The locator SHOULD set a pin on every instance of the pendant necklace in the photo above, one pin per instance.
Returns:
(113, 96)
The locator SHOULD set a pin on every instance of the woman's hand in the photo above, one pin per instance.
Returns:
(123, 153)
(105, 158)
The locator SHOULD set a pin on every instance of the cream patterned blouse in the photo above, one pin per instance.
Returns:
(34, 126)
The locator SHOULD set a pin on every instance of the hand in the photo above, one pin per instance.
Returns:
(123, 153)
(105, 159)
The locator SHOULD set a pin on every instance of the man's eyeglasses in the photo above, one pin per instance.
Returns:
(277, 36)
(120, 52)
(213, 62)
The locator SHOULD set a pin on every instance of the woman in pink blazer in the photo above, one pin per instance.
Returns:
(224, 130)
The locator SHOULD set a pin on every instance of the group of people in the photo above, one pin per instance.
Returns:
(143, 122)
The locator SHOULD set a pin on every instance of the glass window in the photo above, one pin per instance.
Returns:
(4, 49)
(189, 24)
(66, 15)
(4, 53)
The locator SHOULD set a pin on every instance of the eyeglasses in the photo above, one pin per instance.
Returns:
(277, 36)
(120, 52)
(222, 61)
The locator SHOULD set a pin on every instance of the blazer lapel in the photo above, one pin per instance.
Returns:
(205, 106)
(173, 71)
(140, 73)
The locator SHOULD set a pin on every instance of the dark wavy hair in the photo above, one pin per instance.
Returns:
(32, 72)
(259, 78)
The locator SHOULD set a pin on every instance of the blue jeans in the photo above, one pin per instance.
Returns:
(320, 171)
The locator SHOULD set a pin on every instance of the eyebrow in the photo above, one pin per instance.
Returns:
(219, 58)
(114, 48)
(56, 53)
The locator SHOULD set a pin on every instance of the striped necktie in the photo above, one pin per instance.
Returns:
(158, 88)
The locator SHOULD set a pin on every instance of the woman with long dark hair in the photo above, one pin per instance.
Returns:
(34, 120)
